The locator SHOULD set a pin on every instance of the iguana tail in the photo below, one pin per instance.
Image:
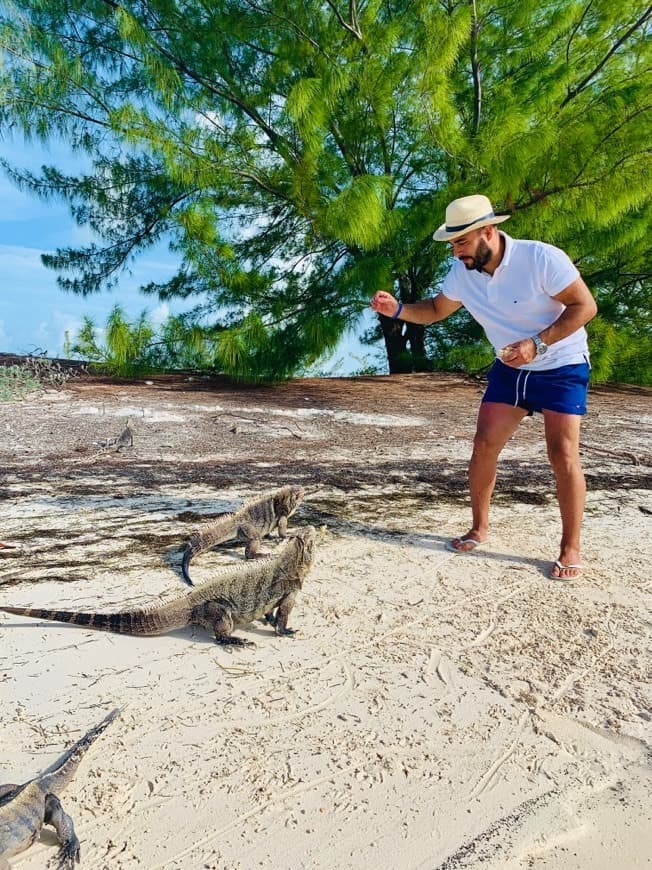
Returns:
(157, 620)
(61, 772)
(188, 553)
(221, 529)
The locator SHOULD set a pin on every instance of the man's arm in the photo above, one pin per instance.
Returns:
(580, 308)
(425, 311)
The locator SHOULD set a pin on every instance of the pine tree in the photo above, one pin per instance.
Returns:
(298, 156)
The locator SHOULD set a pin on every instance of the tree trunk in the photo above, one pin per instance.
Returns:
(395, 337)
(405, 342)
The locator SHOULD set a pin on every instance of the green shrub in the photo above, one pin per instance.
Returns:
(136, 348)
(33, 373)
(16, 382)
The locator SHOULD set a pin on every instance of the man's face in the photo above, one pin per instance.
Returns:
(472, 249)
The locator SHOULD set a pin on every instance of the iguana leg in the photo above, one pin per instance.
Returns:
(62, 824)
(216, 616)
(253, 551)
(229, 640)
(283, 613)
(249, 533)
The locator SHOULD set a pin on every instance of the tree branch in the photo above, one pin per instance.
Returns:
(475, 71)
(251, 176)
(284, 148)
(353, 27)
(585, 12)
(573, 92)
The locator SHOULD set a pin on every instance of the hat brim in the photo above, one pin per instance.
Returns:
(442, 234)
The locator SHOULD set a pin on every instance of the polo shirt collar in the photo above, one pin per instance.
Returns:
(509, 246)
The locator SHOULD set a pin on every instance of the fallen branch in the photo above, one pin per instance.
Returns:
(618, 454)
(256, 422)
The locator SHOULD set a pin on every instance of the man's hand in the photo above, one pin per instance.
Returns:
(518, 353)
(384, 303)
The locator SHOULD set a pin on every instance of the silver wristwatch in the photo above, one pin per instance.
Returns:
(541, 346)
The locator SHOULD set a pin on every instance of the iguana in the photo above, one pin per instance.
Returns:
(126, 437)
(236, 596)
(24, 809)
(251, 523)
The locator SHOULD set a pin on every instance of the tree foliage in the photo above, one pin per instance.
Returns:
(298, 156)
(126, 349)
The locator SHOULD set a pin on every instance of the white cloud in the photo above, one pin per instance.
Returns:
(160, 314)
(36, 313)
(20, 257)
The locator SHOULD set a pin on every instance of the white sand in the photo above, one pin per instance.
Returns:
(434, 710)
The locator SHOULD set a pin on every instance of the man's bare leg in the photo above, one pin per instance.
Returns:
(563, 441)
(496, 424)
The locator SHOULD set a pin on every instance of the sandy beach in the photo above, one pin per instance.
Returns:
(433, 711)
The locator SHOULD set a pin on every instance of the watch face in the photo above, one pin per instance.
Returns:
(541, 346)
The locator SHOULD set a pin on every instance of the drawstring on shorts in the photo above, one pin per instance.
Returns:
(518, 381)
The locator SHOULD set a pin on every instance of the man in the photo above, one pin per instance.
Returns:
(533, 305)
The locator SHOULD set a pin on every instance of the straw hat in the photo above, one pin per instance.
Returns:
(467, 213)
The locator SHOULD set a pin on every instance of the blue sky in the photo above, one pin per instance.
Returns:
(35, 313)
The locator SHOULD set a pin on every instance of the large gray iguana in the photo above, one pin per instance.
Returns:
(24, 809)
(236, 596)
(254, 520)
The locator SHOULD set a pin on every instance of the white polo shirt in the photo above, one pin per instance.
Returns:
(516, 301)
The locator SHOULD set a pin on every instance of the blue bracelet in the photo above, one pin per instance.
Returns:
(398, 312)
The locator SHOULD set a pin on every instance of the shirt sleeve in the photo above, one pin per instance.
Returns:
(557, 270)
(448, 287)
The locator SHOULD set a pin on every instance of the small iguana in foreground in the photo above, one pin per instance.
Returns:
(236, 596)
(254, 520)
(24, 809)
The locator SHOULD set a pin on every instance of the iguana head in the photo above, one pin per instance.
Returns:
(305, 539)
(289, 499)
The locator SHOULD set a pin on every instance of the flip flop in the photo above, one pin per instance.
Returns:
(563, 567)
(475, 545)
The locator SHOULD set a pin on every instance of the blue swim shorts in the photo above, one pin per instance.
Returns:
(563, 389)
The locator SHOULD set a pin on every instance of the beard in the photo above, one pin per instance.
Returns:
(480, 259)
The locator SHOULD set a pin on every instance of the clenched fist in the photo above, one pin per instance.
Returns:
(384, 303)
(518, 353)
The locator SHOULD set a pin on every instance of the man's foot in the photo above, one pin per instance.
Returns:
(568, 566)
(562, 571)
(468, 542)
